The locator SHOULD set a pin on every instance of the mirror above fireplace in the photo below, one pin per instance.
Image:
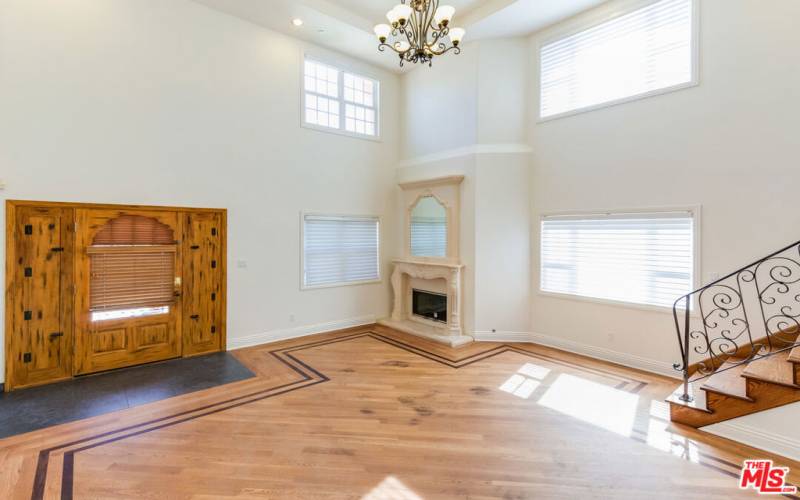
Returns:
(428, 231)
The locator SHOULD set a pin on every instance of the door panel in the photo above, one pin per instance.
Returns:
(41, 289)
(202, 283)
(116, 343)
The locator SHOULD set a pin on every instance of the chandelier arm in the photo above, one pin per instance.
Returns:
(432, 13)
(382, 48)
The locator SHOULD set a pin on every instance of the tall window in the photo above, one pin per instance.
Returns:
(132, 268)
(647, 50)
(340, 101)
(636, 258)
(340, 250)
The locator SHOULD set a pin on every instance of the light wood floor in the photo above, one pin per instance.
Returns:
(372, 413)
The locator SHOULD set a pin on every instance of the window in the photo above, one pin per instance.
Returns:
(340, 250)
(647, 50)
(636, 258)
(132, 268)
(340, 101)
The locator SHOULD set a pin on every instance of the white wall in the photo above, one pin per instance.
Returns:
(729, 144)
(170, 103)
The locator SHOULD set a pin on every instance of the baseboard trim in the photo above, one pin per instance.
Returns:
(601, 353)
(488, 336)
(757, 438)
(296, 332)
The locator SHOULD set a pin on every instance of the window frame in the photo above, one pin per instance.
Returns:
(303, 286)
(695, 211)
(602, 15)
(342, 68)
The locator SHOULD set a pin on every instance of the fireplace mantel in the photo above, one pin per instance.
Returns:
(451, 333)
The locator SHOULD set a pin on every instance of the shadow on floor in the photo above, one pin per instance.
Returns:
(31, 409)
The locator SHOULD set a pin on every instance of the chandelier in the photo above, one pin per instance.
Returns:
(419, 30)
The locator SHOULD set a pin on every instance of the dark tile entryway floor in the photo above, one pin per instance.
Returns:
(27, 410)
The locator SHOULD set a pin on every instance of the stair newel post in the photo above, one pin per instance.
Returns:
(686, 396)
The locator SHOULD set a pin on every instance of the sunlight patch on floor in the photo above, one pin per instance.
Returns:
(391, 489)
(597, 404)
(525, 381)
(660, 437)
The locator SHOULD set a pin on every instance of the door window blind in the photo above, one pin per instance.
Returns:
(134, 230)
(642, 258)
(640, 52)
(340, 250)
(125, 277)
(428, 236)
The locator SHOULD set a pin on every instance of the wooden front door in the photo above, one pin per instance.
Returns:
(202, 285)
(112, 336)
(39, 296)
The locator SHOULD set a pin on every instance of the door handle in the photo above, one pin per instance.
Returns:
(55, 335)
(194, 316)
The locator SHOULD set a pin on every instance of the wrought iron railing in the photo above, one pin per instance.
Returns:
(751, 313)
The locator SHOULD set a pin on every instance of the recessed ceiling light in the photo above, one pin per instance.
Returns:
(297, 22)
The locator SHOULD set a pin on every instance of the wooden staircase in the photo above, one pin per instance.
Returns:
(737, 389)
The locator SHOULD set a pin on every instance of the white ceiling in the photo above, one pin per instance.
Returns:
(346, 25)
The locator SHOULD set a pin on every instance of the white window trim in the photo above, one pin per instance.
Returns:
(342, 68)
(602, 15)
(303, 286)
(694, 210)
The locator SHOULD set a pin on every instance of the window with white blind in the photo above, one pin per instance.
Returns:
(340, 250)
(649, 49)
(636, 258)
(340, 101)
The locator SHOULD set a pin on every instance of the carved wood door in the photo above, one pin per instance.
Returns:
(203, 297)
(127, 265)
(39, 296)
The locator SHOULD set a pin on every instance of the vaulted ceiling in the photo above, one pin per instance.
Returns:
(346, 25)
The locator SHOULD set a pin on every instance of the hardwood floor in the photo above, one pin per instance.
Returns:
(373, 413)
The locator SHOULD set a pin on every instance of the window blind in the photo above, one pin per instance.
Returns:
(642, 258)
(134, 230)
(340, 250)
(640, 52)
(429, 236)
(131, 277)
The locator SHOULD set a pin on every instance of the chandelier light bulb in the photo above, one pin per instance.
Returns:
(403, 13)
(382, 31)
(444, 15)
(456, 35)
(393, 17)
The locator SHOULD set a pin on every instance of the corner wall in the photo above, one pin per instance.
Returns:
(465, 116)
(171, 103)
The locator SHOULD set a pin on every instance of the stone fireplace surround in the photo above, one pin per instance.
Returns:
(450, 333)
(447, 191)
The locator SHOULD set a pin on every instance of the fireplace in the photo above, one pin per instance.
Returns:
(429, 305)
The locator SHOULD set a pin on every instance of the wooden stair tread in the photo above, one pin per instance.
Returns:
(776, 369)
(698, 403)
(794, 355)
(728, 380)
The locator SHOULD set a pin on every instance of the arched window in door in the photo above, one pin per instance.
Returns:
(132, 268)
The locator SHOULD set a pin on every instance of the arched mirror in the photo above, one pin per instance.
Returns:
(428, 228)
